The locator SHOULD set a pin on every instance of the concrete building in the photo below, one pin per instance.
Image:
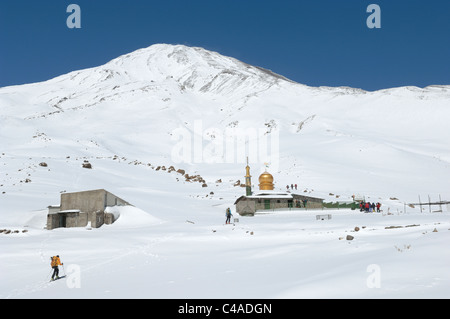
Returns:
(272, 200)
(81, 208)
(269, 199)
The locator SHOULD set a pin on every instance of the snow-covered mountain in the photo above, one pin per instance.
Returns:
(144, 120)
(177, 105)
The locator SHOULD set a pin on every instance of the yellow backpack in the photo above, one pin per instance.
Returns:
(54, 261)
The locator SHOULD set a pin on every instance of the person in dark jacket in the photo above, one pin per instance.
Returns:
(378, 207)
(228, 214)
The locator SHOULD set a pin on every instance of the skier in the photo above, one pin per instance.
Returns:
(228, 214)
(54, 264)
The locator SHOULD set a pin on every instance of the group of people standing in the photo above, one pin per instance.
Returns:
(369, 207)
(292, 186)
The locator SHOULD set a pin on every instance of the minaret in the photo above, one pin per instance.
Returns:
(248, 180)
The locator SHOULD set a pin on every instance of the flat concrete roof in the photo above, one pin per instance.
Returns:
(66, 211)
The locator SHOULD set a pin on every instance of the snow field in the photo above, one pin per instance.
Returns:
(289, 255)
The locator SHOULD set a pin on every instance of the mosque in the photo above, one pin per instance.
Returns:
(266, 198)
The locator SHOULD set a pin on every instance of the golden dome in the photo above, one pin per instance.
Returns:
(266, 181)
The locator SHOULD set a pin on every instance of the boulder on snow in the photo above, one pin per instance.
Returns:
(86, 164)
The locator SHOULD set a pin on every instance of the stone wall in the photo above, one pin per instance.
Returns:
(88, 201)
(248, 206)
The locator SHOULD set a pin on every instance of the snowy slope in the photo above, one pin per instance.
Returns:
(128, 117)
(142, 98)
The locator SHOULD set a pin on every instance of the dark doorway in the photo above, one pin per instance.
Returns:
(62, 220)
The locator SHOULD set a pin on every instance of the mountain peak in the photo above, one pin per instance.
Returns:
(191, 67)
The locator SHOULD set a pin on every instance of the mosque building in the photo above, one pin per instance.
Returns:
(266, 198)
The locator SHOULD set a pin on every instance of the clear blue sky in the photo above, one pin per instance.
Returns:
(315, 42)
